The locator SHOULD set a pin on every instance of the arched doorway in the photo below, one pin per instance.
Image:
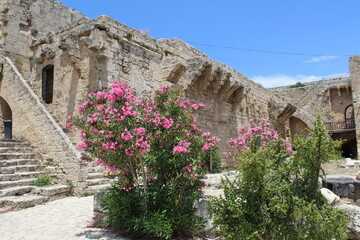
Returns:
(6, 118)
(349, 117)
(349, 112)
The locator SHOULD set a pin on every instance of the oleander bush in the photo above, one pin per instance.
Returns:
(159, 152)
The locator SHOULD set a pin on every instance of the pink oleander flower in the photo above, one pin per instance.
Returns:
(192, 118)
(126, 135)
(201, 105)
(163, 89)
(109, 135)
(92, 120)
(182, 147)
(140, 131)
(69, 125)
(167, 122)
(195, 106)
(101, 132)
(82, 145)
(130, 152)
(206, 147)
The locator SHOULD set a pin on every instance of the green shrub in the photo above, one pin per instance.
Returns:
(276, 196)
(42, 180)
(298, 84)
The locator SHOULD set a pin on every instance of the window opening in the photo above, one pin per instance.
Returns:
(47, 83)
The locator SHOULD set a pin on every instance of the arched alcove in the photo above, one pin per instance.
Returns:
(6, 118)
(349, 112)
(298, 127)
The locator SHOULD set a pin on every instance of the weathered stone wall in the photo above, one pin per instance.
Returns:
(24, 22)
(33, 123)
(327, 98)
(355, 83)
(340, 98)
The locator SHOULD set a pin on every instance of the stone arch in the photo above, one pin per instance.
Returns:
(47, 76)
(6, 118)
(349, 112)
(298, 127)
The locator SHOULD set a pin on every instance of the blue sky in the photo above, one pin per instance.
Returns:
(275, 42)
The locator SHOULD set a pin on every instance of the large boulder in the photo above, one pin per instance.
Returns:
(353, 230)
(330, 197)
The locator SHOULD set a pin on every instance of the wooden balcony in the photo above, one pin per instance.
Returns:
(338, 126)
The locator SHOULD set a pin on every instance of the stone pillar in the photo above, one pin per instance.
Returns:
(355, 85)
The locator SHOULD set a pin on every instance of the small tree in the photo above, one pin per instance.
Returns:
(310, 155)
(268, 200)
(158, 150)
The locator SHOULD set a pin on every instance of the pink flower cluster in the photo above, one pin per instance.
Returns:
(255, 137)
(189, 172)
(209, 141)
(182, 147)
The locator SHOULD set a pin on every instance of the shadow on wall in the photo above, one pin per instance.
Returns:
(298, 127)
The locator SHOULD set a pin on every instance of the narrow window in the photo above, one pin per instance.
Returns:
(47, 83)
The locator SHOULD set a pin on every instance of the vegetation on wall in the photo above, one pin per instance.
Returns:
(42, 180)
(298, 84)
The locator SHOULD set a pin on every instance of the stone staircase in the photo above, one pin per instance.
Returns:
(97, 179)
(19, 166)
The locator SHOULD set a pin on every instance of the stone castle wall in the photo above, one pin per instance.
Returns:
(24, 22)
(327, 98)
(355, 82)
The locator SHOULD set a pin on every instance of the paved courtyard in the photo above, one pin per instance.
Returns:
(63, 219)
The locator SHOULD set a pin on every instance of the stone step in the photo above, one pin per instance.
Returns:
(4, 143)
(97, 181)
(94, 169)
(51, 190)
(97, 188)
(95, 175)
(18, 156)
(15, 149)
(22, 182)
(18, 176)
(18, 169)
(16, 191)
(23, 201)
(18, 162)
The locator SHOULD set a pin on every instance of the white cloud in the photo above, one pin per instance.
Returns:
(283, 80)
(320, 59)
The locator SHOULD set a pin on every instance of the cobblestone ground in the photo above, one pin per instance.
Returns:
(63, 219)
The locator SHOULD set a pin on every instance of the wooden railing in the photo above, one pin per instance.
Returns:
(347, 124)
